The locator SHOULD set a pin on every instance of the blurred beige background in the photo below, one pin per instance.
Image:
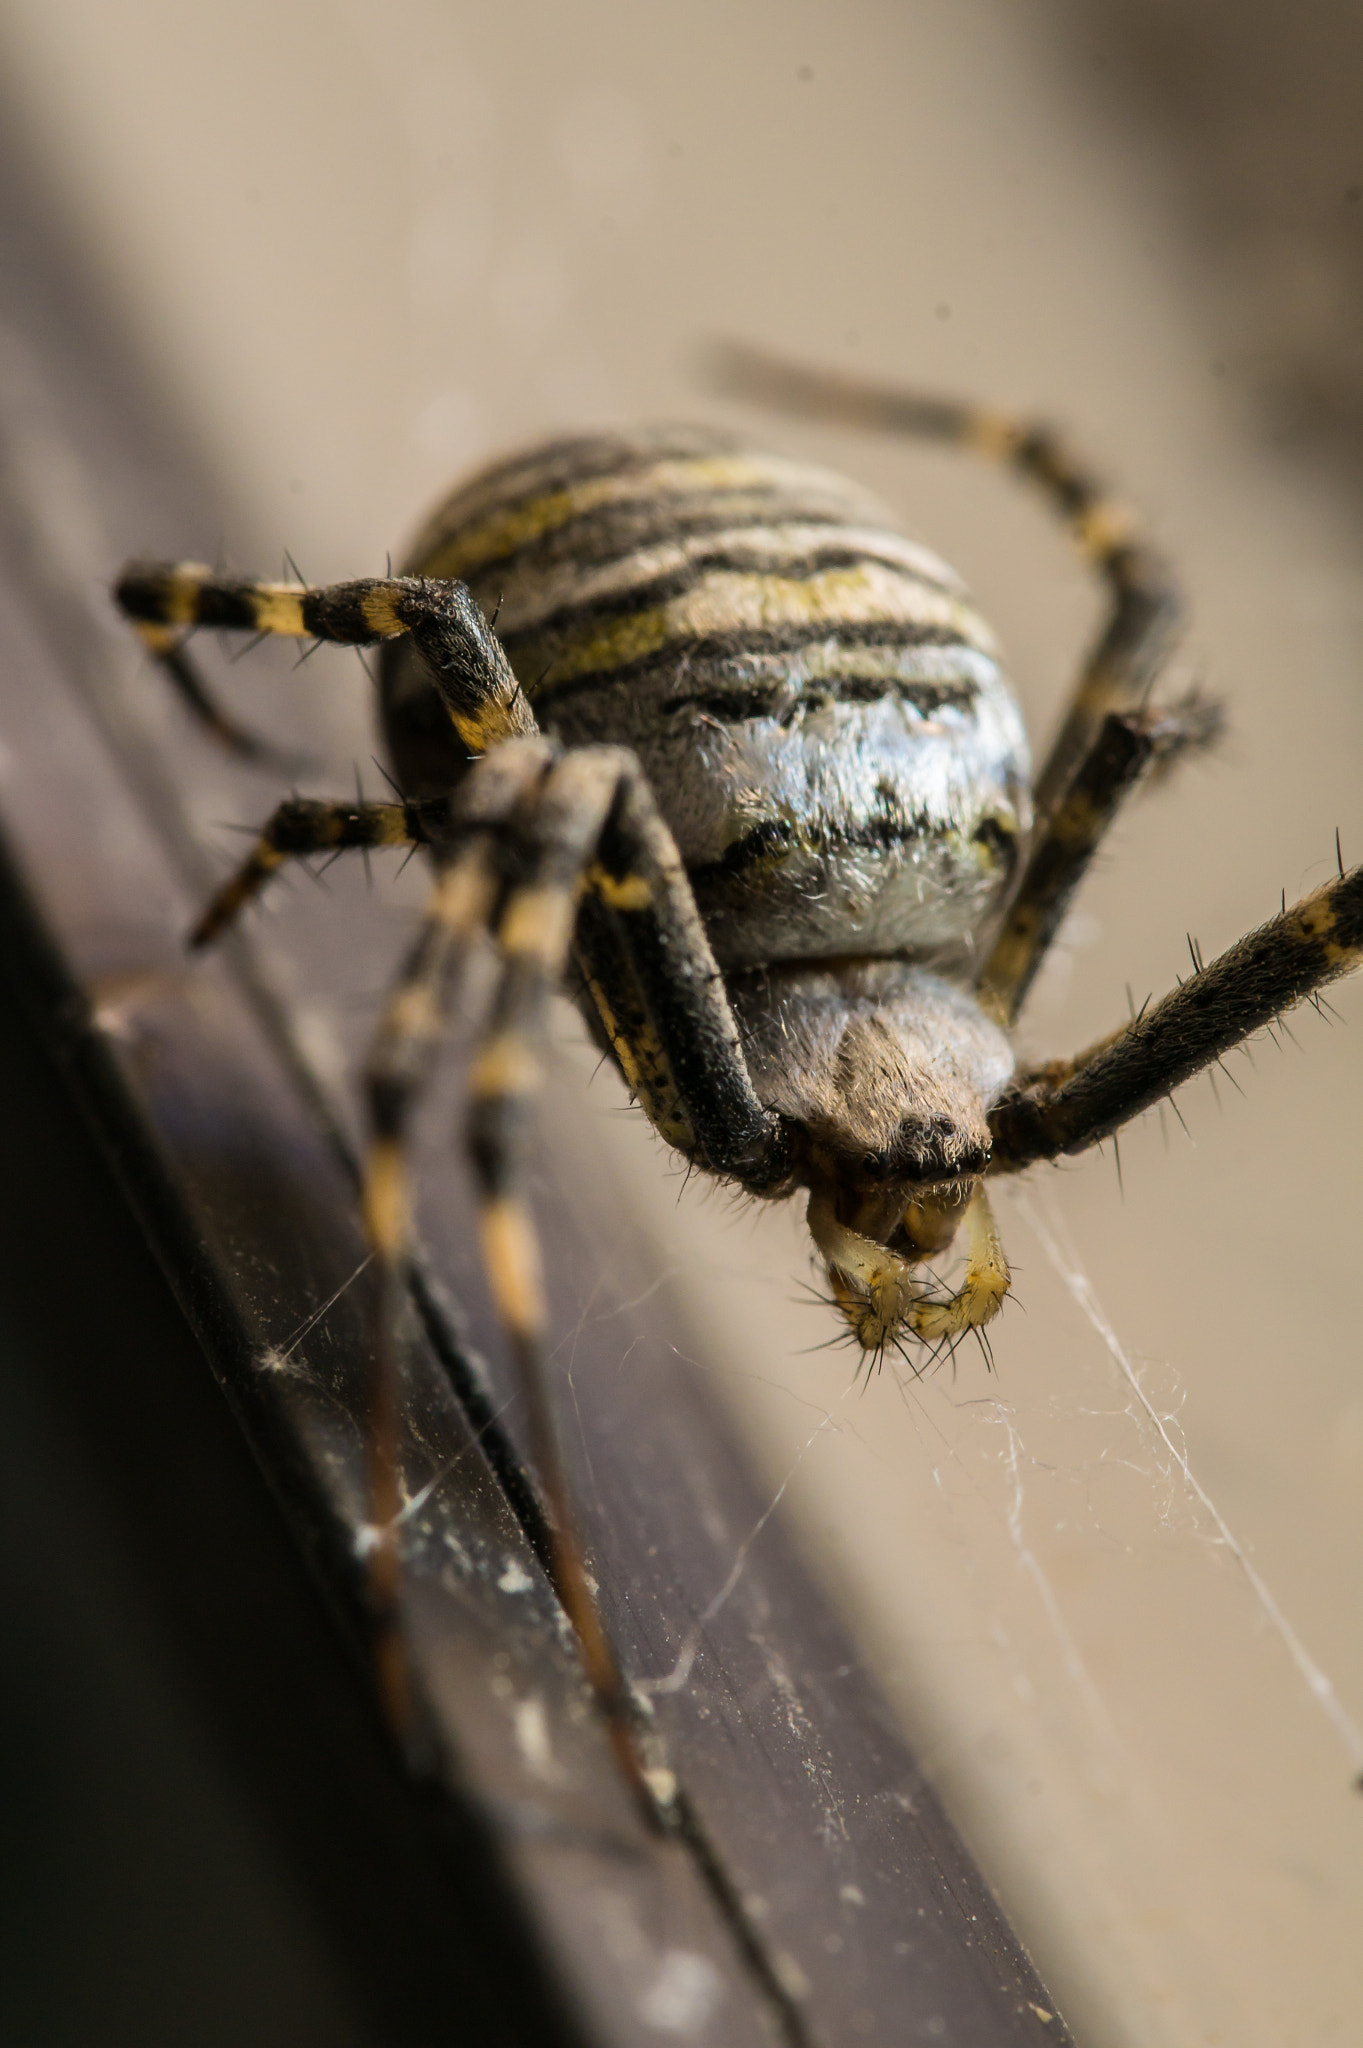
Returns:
(362, 248)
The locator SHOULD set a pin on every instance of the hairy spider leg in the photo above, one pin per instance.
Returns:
(1059, 859)
(534, 937)
(462, 653)
(1124, 748)
(661, 997)
(1074, 1103)
(594, 827)
(166, 645)
(463, 907)
(305, 825)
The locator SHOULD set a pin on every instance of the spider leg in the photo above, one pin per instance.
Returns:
(461, 904)
(595, 829)
(1074, 1103)
(1125, 748)
(462, 907)
(534, 939)
(302, 826)
(465, 659)
(662, 1000)
(563, 808)
(166, 645)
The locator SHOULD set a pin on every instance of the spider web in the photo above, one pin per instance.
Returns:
(1049, 1228)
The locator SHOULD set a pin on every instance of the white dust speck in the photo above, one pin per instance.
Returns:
(683, 1995)
(532, 1733)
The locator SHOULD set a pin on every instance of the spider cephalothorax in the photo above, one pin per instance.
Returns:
(885, 1072)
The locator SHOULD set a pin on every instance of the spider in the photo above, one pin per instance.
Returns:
(694, 727)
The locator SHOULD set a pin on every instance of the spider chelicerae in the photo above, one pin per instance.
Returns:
(693, 727)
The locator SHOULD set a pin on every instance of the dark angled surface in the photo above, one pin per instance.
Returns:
(207, 1837)
(819, 1895)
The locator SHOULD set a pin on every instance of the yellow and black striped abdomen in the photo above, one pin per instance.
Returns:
(817, 705)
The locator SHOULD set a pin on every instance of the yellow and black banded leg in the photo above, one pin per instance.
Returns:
(1145, 602)
(1072, 1104)
(461, 906)
(463, 654)
(303, 826)
(673, 1030)
(461, 909)
(534, 939)
(1127, 746)
(594, 828)
(166, 645)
